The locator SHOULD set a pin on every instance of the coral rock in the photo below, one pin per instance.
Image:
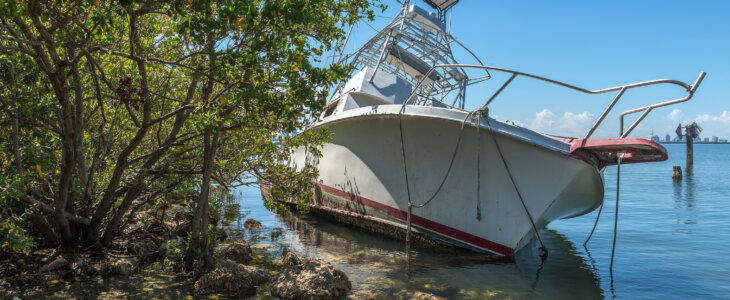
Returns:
(231, 278)
(314, 279)
(239, 252)
(418, 295)
(58, 263)
(144, 248)
(251, 224)
(289, 258)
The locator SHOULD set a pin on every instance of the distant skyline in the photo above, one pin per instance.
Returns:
(594, 44)
(672, 137)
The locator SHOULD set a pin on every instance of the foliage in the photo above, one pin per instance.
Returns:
(107, 106)
(13, 238)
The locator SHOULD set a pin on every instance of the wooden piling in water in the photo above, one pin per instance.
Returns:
(691, 132)
(677, 175)
(690, 144)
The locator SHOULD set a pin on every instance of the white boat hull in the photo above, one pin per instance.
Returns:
(361, 172)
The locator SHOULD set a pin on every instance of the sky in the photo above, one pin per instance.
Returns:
(593, 45)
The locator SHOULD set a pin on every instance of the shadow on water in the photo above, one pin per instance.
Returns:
(379, 267)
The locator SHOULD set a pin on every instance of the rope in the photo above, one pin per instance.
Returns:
(615, 220)
(594, 225)
(483, 111)
(479, 167)
(405, 170)
(448, 171)
(509, 173)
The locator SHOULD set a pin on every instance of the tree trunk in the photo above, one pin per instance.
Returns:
(16, 130)
(110, 193)
(133, 192)
(67, 170)
(201, 219)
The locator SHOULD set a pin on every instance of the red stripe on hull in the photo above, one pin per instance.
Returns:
(423, 222)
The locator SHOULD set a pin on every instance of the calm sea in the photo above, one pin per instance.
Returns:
(673, 242)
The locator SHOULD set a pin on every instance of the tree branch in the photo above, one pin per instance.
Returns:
(48, 209)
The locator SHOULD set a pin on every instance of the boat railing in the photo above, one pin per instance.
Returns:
(645, 110)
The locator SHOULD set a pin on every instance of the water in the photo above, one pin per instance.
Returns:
(673, 242)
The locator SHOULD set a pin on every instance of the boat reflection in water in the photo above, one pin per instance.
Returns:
(379, 267)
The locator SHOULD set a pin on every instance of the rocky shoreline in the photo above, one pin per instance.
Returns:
(251, 260)
(145, 261)
(241, 271)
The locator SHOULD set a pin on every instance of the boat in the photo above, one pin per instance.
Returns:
(407, 160)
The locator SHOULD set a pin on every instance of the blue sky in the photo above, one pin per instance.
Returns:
(595, 44)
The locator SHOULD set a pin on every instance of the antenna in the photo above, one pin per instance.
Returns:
(442, 6)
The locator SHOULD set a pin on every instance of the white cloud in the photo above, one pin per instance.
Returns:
(571, 120)
(571, 124)
(543, 120)
(702, 118)
(724, 117)
(676, 114)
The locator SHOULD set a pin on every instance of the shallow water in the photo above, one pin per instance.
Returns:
(673, 240)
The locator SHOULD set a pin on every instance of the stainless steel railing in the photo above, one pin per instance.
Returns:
(621, 90)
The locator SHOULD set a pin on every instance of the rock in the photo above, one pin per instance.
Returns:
(418, 295)
(122, 266)
(314, 279)
(58, 263)
(133, 228)
(239, 252)
(251, 224)
(289, 258)
(157, 227)
(232, 279)
(182, 229)
(221, 235)
(276, 233)
(144, 248)
(170, 248)
(178, 213)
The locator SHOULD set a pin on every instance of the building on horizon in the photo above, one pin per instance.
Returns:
(714, 139)
(668, 138)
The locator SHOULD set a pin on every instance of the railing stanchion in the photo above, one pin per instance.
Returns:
(605, 113)
(500, 89)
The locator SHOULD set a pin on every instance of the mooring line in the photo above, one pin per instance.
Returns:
(594, 225)
(481, 113)
(514, 184)
(405, 170)
(615, 220)
(443, 181)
